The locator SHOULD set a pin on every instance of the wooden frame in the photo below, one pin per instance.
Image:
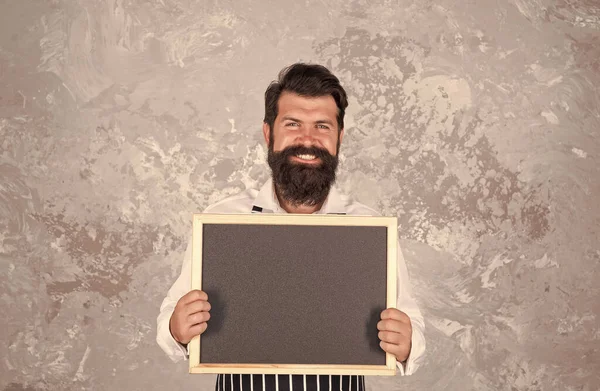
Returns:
(389, 369)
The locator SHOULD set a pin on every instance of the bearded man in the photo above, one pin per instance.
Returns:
(303, 128)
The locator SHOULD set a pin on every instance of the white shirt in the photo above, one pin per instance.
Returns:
(266, 199)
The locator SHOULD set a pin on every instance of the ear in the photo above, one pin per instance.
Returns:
(341, 137)
(266, 132)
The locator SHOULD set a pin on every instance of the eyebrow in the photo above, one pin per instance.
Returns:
(288, 118)
(325, 121)
(321, 121)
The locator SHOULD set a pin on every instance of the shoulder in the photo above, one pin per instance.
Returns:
(238, 203)
(353, 207)
(356, 208)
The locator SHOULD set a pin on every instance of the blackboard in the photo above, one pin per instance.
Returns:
(293, 293)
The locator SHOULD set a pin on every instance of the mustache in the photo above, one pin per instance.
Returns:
(303, 150)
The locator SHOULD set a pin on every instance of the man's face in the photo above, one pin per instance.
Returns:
(303, 147)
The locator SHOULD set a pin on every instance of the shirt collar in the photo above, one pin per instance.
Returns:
(267, 200)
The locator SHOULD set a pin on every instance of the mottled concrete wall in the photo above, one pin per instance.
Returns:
(475, 122)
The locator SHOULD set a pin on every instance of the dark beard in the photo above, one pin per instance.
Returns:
(302, 184)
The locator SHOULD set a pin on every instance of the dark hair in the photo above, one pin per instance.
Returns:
(305, 80)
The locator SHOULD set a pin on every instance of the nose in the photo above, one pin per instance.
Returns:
(306, 136)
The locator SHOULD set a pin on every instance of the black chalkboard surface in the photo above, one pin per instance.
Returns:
(293, 293)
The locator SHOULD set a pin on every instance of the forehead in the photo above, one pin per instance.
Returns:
(320, 106)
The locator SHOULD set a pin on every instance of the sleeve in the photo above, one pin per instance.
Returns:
(407, 304)
(180, 287)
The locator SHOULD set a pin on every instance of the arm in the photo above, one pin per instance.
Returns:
(407, 304)
(182, 285)
(401, 328)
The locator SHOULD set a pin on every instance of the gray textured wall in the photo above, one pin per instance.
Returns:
(475, 122)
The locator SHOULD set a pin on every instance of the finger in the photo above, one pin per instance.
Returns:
(198, 329)
(194, 331)
(394, 313)
(192, 296)
(389, 347)
(392, 325)
(393, 338)
(197, 318)
(395, 327)
(197, 306)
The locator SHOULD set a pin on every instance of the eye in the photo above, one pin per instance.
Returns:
(322, 126)
(292, 124)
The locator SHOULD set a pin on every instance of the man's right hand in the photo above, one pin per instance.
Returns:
(190, 316)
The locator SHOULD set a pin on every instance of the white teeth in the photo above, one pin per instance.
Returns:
(307, 157)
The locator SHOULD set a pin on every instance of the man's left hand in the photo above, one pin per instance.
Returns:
(395, 333)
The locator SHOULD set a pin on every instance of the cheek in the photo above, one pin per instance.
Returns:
(332, 144)
(280, 141)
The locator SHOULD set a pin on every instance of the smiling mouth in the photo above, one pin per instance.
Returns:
(306, 158)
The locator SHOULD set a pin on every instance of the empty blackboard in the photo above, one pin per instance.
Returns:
(293, 294)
